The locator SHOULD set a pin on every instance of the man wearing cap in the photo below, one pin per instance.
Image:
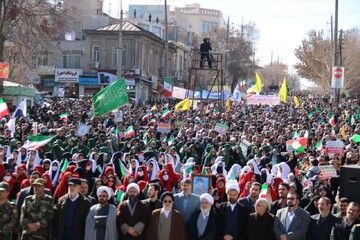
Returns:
(37, 213)
(133, 215)
(202, 225)
(232, 216)
(8, 213)
(70, 213)
(101, 219)
(261, 222)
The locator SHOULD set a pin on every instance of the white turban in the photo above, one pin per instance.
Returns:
(208, 197)
(133, 185)
(105, 189)
(232, 187)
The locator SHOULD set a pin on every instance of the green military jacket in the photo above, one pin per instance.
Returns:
(8, 220)
(37, 210)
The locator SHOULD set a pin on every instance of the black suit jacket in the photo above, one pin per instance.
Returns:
(261, 227)
(210, 230)
(321, 230)
(275, 206)
(341, 231)
(158, 204)
(221, 220)
(79, 217)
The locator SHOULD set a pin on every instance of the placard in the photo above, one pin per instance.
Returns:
(327, 171)
(163, 127)
(221, 128)
(262, 99)
(334, 147)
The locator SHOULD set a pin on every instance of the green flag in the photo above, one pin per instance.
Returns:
(66, 163)
(111, 97)
(357, 116)
(203, 170)
(119, 196)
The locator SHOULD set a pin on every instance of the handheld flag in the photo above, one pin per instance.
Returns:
(283, 91)
(332, 120)
(228, 104)
(296, 101)
(258, 85)
(168, 86)
(129, 132)
(166, 114)
(4, 110)
(20, 110)
(183, 105)
(63, 117)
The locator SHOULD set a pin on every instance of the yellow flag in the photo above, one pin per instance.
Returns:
(283, 91)
(296, 101)
(207, 109)
(183, 105)
(228, 104)
(154, 108)
(343, 134)
(258, 85)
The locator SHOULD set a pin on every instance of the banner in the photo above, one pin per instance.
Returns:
(334, 147)
(67, 75)
(263, 99)
(163, 127)
(109, 98)
(327, 171)
(221, 128)
(4, 70)
(82, 129)
(289, 143)
(179, 93)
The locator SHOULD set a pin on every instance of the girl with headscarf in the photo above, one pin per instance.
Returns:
(62, 188)
(54, 172)
(21, 173)
(22, 157)
(283, 170)
(7, 152)
(141, 174)
(221, 187)
(97, 184)
(48, 184)
(234, 172)
(46, 164)
(152, 168)
(30, 165)
(13, 185)
(134, 164)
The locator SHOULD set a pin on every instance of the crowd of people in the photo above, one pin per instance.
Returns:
(176, 175)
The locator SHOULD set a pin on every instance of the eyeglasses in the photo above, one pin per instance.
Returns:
(167, 201)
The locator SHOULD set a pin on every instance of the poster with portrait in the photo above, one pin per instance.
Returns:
(201, 184)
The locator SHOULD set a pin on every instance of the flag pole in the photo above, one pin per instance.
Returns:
(130, 118)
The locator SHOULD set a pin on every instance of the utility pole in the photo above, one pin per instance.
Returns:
(120, 47)
(226, 51)
(166, 41)
(336, 48)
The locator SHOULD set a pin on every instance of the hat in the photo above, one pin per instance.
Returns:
(233, 186)
(74, 181)
(39, 181)
(133, 185)
(208, 197)
(4, 186)
(105, 189)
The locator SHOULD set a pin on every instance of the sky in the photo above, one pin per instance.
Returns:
(282, 24)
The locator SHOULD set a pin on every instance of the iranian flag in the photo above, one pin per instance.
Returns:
(147, 117)
(166, 114)
(333, 132)
(124, 171)
(4, 110)
(351, 120)
(264, 190)
(168, 85)
(152, 121)
(63, 117)
(36, 142)
(332, 120)
(243, 84)
(310, 114)
(129, 132)
(319, 146)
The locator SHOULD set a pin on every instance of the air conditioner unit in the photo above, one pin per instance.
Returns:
(95, 65)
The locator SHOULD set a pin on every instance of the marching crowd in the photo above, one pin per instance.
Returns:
(149, 172)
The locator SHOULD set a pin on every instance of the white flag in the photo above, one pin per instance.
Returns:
(20, 110)
(11, 125)
(237, 94)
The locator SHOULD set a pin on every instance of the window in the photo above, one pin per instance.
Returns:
(42, 60)
(96, 53)
(115, 56)
(71, 59)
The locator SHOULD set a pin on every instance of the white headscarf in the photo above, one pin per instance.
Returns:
(7, 154)
(155, 170)
(285, 170)
(245, 169)
(37, 157)
(256, 168)
(54, 179)
(268, 175)
(234, 171)
(214, 167)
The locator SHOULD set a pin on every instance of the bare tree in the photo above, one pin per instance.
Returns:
(27, 28)
(316, 57)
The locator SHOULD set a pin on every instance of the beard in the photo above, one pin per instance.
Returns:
(232, 200)
(204, 210)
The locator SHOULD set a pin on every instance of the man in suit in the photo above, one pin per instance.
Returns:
(202, 225)
(232, 216)
(153, 201)
(70, 213)
(281, 202)
(249, 201)
(322, 223)
(342, 229)
(186, 202)
(261, 217)
(292, 222)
